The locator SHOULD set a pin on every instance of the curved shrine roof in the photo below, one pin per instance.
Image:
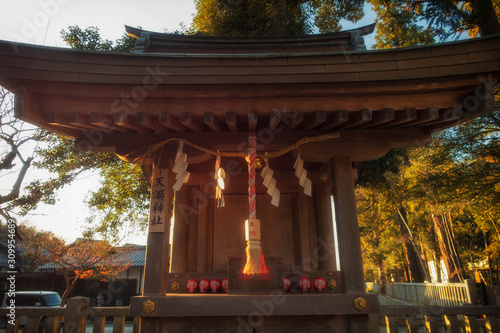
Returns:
(200, 87)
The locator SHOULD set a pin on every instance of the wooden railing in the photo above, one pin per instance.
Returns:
(470, 319)
(434, 294)
(411, 319)
(75, 316)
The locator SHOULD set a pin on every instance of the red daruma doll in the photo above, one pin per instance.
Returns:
(304, 284)
(192, 285)
(225, 285)
(215, 285)
(287, 284)
(204, 285)
(319, 284)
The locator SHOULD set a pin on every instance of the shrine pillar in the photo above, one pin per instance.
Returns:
(324, 225)
(182, 212)
(351, 261)
(157, 251)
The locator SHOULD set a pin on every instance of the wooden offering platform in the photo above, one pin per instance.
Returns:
(276, 312)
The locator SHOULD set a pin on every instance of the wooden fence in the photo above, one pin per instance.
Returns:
(75, 315)
(411, 319)
(434, 294)
(456, 319)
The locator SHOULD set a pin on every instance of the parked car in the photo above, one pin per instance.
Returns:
(30, 298)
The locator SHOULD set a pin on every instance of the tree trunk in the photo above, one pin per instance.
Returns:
(381, 272)
(452, 241)
(70, 285)
(435, 254)
(444, 241)
(415, 270)
(484, 16)
(490, 272)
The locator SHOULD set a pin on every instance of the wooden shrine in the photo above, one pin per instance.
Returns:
(321, 99)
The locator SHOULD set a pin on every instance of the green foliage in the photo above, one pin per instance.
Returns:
(328, 14)
(249, 18)
(90, 39)
(398, 27)
(121, 202)
(456, 177)
(414, 22)
(273, 18)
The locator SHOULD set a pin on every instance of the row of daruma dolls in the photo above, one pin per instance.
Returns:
(203, 287)
(216, 286)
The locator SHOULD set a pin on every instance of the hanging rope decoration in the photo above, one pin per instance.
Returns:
(154, 152)
(219, 176)
(270, 183)
(255, 258)
(301, 174)
(180, 168)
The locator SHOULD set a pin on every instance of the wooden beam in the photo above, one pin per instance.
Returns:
(424, 117)
(451, 114)
(448, 115)
(358, 151)
(481, 101)
(229, 141)
(105, 123)
(211, 122)
(317, 118)
(59, 119)
(252, 121)
(231, 121)
(295, 120)
(402, 117)
(274, 119)
(81, 120)
(380, 118)
(290, 305)
(170, 121)
(126, 120)
(335, 119)
(188, 121)
(148, 121)
(361, 117)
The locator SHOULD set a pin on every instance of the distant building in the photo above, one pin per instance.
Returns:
(136, 256)
(118, 290)
(4, 255)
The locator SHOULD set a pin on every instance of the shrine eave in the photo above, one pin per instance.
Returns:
(155, 42)
(422, 89)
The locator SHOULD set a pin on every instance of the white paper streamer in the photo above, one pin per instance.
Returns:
(219, 176)
(270, 184)
(301, 174)
(180, 168)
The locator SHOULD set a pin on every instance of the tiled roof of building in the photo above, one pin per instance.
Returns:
(128, 254)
